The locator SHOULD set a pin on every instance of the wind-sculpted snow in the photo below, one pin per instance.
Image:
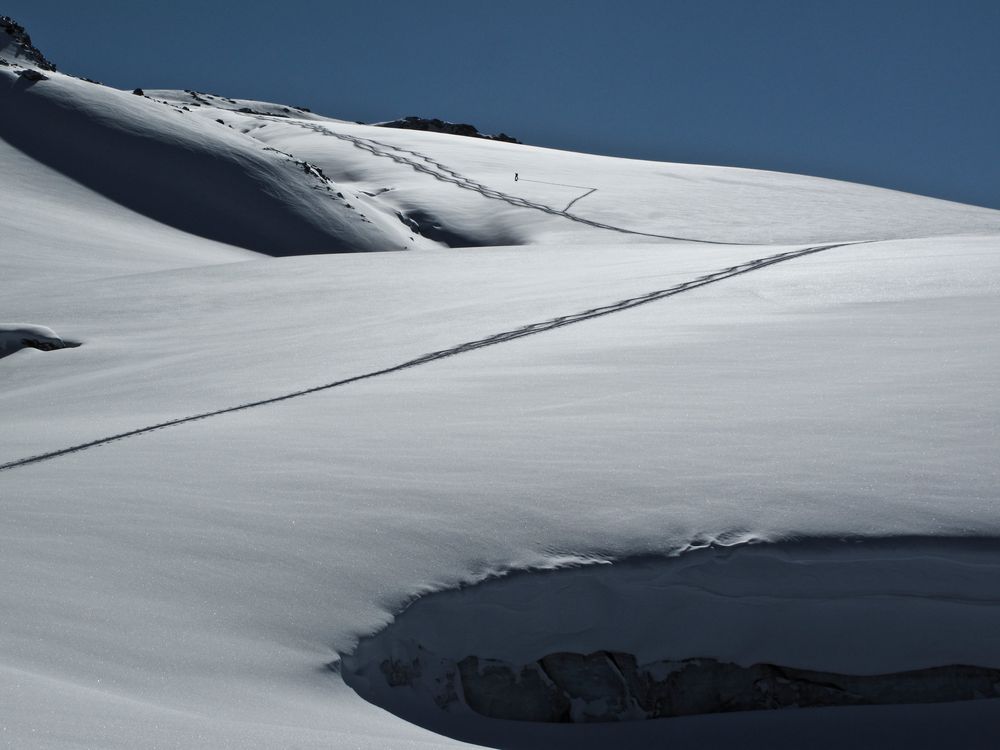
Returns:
(18, 336)
(61, 232)
(468, 188)
(426, 165)
(845, 394)
(499, 338)
(195, 99)
(196, 175)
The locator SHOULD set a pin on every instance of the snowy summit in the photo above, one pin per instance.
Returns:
(322, 434)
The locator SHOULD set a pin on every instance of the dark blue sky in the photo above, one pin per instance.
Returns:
(898, 93)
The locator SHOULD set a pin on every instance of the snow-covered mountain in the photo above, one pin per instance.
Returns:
(632, 439)
(15, 44)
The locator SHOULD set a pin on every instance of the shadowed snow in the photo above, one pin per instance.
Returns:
(19, 336)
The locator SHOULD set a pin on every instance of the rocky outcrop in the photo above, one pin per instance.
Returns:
(607, 686)
(15, 43)
(442, 126)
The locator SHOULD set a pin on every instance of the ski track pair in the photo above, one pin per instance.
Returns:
(499, 338)
(443, 173)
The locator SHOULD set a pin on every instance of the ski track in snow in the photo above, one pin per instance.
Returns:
(579, 198)
(498, 338)
(437, 170)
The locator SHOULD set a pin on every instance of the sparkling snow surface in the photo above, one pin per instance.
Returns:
(189, 587)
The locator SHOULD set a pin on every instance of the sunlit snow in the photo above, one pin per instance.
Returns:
(269, 443)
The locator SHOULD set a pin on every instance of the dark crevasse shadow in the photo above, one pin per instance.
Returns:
(820, 642)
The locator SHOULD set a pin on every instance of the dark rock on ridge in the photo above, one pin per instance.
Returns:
(442, 126)
(25, 49)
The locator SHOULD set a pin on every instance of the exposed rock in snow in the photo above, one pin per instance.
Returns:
(16, 44)
(33, 75)
(443, 126)
(611, 686)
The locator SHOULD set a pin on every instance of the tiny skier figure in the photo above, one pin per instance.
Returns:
(515, 176)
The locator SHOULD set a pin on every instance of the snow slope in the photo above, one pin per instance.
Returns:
(603, 395)
(56, 230)
(645, 201)
(196, 176)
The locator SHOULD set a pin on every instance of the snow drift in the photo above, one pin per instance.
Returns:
(15, 337)
(199, 177)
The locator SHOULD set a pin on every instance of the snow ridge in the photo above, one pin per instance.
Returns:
(436, 125)
(199, 177)
(439, 171)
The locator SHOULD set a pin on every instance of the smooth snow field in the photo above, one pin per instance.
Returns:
(317, 434)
